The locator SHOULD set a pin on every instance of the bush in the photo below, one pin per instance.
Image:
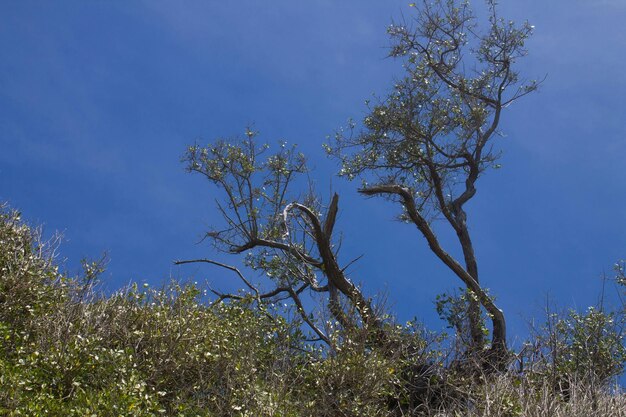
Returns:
(66, 350)
(577, 348)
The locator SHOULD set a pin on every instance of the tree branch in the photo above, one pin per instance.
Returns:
(497, 316)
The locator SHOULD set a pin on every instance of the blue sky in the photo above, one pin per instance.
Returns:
(99, 99)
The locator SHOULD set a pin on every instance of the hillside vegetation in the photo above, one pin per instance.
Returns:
(66, 350)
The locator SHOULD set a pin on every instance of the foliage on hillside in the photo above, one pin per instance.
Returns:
(67, 351)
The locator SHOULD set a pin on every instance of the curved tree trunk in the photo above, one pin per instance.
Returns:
(498, 339)
(471, 266)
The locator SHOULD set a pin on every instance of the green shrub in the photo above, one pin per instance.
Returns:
(66, 350)
(584, 347)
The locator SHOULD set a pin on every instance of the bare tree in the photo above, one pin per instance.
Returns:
(426, 144)
(282, 234)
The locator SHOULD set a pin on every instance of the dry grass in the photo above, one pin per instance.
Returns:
(505, 396)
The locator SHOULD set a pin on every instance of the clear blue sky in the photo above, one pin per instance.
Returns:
(99, 99)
